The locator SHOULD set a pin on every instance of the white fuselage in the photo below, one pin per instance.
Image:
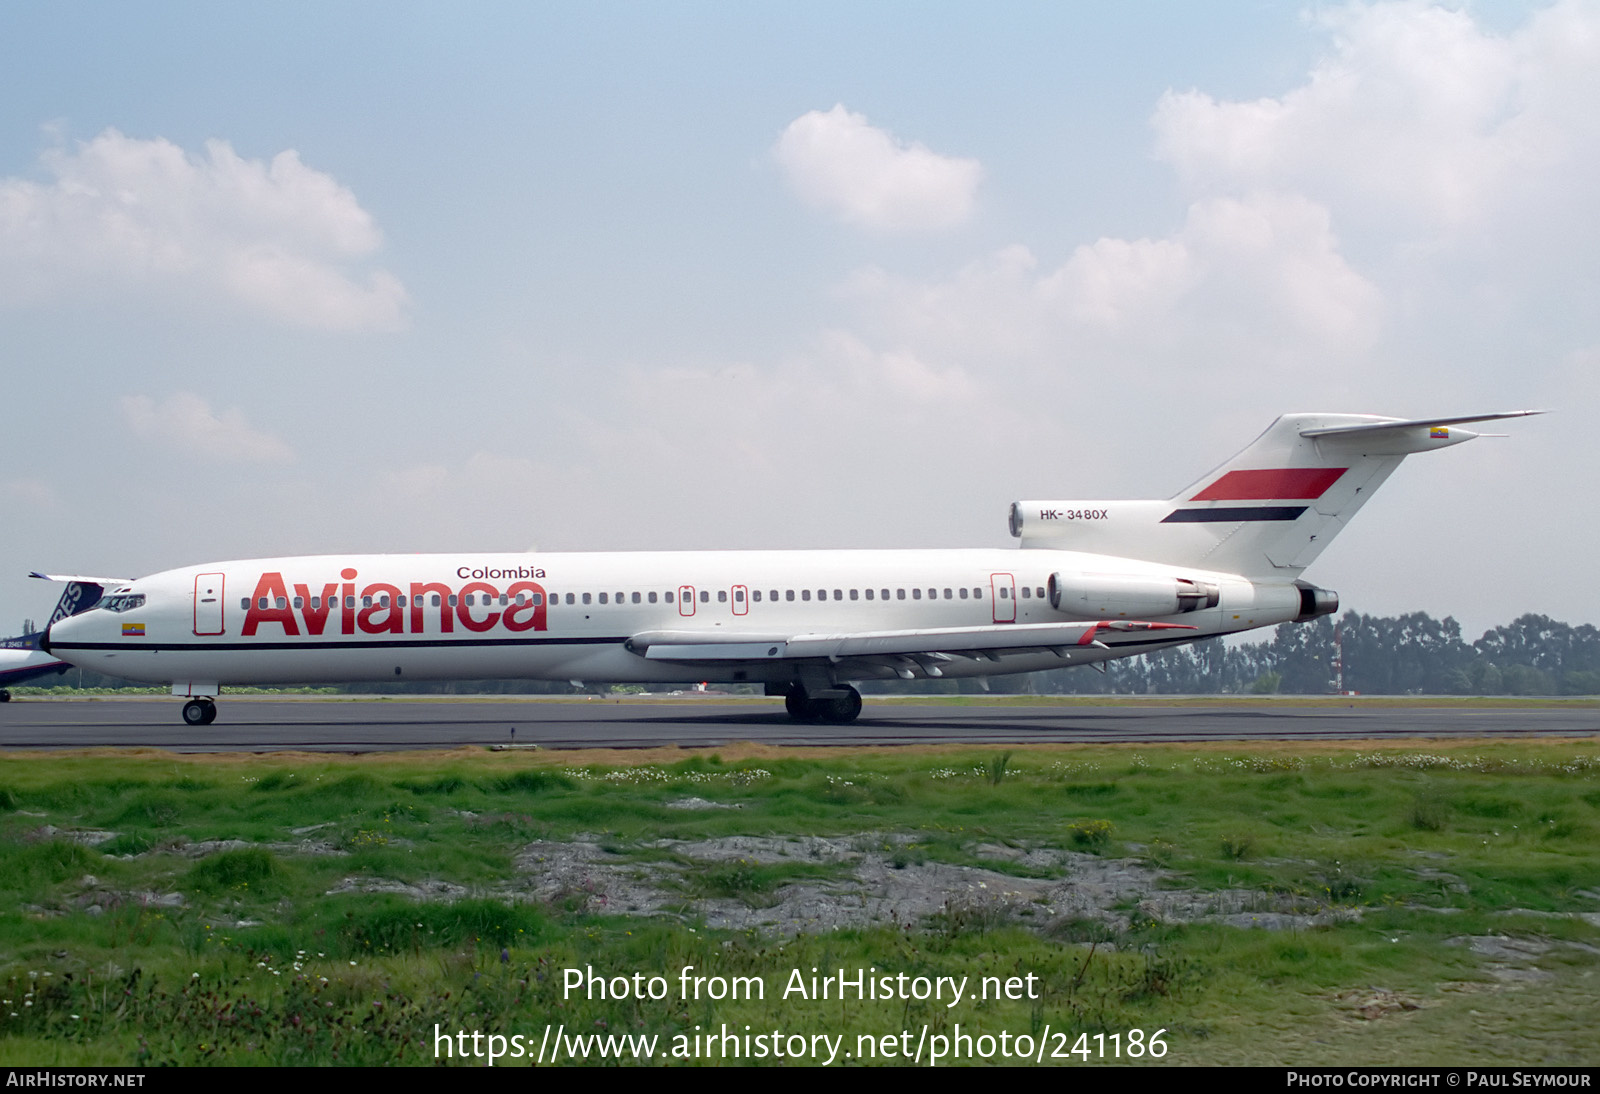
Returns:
(573, 616)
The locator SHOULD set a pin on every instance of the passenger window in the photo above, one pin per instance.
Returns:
(949, 594)
(434, 600)
(366, 601)
(755, 594)
(587, 595)
(635, 598)
(899, 594)
(619, 598)
(349, 602)
(869, 594)
(722, 596)
(667, 597)
(652, 598)
(262, 603)
(1025, 591)
(602, 598)
(883, 594)
(705, 597)
(916, 594)
(788, 594)
(738, 596)
(316, 602)
(571, 597)
(933, 594)
(977, 594)
(963, 594)
(838, 594)
(1005, 593)
(805, 594)
(383, 601)
(822, 594)
(537, 599)
(281, 603)
(854, 595)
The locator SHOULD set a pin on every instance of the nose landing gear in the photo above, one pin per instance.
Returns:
(199, 712)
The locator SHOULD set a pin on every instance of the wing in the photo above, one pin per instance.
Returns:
(900, 651)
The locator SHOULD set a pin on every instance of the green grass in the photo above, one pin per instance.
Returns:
(144, 947)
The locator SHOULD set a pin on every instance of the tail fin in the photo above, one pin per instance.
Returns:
(80, 594)
(1268, 512)
(23, 657)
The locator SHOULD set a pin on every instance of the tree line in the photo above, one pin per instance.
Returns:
(1411, 654)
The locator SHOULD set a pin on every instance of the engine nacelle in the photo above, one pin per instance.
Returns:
(1128, 596)
(1315, 601)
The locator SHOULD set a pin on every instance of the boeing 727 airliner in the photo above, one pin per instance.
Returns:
(1094, 580)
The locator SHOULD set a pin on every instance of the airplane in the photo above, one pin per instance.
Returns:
(22, 659)
(1093, 581)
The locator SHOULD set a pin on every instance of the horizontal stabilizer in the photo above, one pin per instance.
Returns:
(1402, 423)
(105, 582)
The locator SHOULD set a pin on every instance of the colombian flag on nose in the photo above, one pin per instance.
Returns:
(133, 630)
(1439, 433)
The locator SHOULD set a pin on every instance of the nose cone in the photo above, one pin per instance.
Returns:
(63, 637)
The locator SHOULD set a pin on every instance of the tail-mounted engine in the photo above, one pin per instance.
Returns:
(1315, 601)
(1128, 596)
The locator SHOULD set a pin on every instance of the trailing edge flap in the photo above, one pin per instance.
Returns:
(733, 646)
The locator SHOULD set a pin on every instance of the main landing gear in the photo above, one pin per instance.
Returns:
(836, 709)
(199, 712)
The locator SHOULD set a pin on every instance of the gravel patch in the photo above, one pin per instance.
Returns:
(878, 883)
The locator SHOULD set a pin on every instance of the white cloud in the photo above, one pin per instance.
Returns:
(1261, 277)
(840, 163)
(1419, 117)
(123, 214)
(184, 421)
(719, 457)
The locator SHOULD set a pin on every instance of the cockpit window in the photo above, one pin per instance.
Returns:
(122, 602)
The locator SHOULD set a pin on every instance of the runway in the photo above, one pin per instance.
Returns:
(257, 724)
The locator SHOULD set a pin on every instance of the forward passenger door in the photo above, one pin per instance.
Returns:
(1003, 595)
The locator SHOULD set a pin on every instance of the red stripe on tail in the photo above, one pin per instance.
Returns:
(1272, 483)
